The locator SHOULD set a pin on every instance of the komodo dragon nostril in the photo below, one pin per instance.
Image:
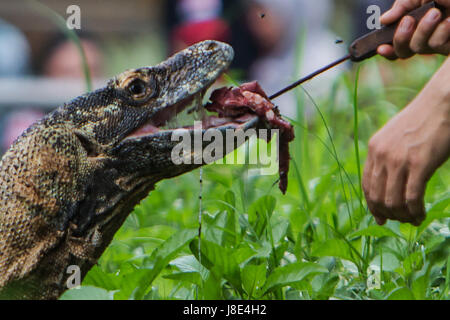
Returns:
(212, 46)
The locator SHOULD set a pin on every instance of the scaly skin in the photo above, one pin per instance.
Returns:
(70, 180)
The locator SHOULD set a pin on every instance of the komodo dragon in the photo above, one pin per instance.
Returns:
(71, 179)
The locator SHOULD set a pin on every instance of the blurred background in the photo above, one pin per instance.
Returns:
(275, 42)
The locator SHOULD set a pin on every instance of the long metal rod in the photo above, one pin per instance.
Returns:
(312, 75)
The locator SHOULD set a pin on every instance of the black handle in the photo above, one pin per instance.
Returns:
(366, 46)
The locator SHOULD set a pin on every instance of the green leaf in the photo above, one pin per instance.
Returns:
(87, 293)
(230, 198)
(218, 177)
(189, 264)
(291, 274)
(212, 288)
(437, 211)
(260, 212)
(412, 262)
(253, 278)
(419, 287)
(218, 260)
(280, 227)
(401, 293)
(229, 238)
(100, 279)
(374, 231)
(163, 255)
(243, 253)
(390, 262)
(277, 254)
(214, 227)
(192, 277)
(324, 285)
(130, 278)
(408, 231)
(332, 248)
(447, 280)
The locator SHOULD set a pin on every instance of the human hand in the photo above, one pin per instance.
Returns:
(430, 35)
(405, 153)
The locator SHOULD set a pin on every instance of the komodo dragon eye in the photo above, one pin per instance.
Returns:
(139, 89)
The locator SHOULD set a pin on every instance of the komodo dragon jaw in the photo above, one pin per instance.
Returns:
(70, 180)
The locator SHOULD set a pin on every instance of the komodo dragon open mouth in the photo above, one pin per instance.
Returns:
(183, 114)
(240, 108)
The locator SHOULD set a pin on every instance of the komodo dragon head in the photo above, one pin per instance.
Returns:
(70, 180)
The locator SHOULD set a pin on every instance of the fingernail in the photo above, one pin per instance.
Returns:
(433, 15)
(406, 24)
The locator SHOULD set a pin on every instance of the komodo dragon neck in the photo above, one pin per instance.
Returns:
(70, 180)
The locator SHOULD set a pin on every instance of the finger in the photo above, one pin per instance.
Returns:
(425, 28)
(399, 9)
(415, 191)
(403, 36)
(379, 219)
(387, 51)
(394, 199)
(367, 174)
(366, 182)
(377, 191)
(440, 39)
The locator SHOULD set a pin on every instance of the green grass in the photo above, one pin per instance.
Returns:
(316, 242)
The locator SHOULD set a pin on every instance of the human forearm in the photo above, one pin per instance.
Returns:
(407, 151)
(438, 87)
